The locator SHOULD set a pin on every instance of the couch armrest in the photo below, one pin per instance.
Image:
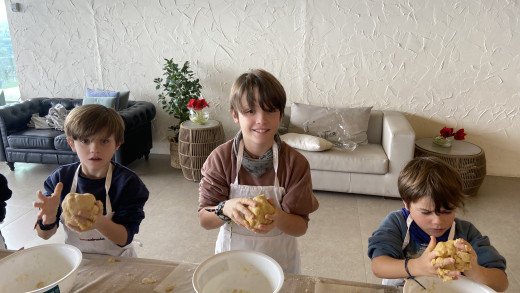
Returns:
(399, 144)
(14, 118)
(137, 113)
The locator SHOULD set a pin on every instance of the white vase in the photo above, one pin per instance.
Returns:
(444, 142)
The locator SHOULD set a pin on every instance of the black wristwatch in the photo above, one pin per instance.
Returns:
(46, 227)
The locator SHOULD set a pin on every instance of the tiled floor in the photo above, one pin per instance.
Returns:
(335, 245)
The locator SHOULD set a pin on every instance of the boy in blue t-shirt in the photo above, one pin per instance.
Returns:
(95, 132)
(403, 245)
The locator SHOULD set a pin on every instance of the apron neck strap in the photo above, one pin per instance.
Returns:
(108, 182)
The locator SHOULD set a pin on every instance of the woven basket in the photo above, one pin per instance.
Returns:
(195, 145)
(174, 153)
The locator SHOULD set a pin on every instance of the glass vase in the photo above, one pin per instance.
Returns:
(443, 141)
(199, 116)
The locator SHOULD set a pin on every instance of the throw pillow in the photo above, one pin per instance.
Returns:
(306, 142)
(123, 100)
(109, 102)
(338, 125)
(122, 97)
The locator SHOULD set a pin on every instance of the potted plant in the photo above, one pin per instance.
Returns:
(178, 88)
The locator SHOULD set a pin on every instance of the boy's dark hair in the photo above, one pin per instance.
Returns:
(93, 119)
(271, 94)
(431, 177)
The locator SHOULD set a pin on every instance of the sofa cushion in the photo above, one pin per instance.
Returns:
(60, 143)
(109, 102)
(366, 158)
(306, 142)
(338, 125)
(122, 97)
(31, 138)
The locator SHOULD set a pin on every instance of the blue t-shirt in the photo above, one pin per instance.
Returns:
(127, 193)
(388, 240)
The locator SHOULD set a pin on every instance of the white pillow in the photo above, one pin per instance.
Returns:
(306, 142)
(341, 125)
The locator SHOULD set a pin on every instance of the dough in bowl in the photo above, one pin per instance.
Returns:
(263, 208)
(448, 250)
(76, 202)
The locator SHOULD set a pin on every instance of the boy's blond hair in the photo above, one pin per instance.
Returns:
(93, 119)
(431, 177)
(271, 94)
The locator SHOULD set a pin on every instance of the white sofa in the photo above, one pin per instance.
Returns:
(371, 168)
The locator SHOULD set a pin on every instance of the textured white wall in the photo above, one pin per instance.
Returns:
(444, 62)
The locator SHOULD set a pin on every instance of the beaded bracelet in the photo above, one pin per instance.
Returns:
(220, 214)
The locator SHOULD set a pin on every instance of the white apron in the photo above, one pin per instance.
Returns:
(406, 241)
(93, 241)
(278, 245)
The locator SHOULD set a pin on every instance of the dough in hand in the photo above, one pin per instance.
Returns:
(263, 208)
(448, 250)
(76, 202)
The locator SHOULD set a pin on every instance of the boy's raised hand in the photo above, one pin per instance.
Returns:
(48, 205)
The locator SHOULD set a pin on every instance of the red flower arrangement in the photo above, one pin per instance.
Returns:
(198, 104)
(447, 132)
(444, 140)
(196, 114)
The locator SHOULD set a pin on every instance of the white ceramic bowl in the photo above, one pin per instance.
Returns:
(40, 268)
(249, 271)
(436, 285)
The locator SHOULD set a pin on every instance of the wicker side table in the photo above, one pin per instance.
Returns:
(196, 142)
(467, 158)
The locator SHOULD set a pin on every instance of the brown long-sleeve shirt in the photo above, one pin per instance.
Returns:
(219, 171)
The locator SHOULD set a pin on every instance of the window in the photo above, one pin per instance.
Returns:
(8, 79)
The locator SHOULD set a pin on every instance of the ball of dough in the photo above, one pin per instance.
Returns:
(448, 250)
(262, 208)
(76, 202)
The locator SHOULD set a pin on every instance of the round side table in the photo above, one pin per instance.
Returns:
(196, 142)
(467, 158)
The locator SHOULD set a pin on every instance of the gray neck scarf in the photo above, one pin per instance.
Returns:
(259, 166)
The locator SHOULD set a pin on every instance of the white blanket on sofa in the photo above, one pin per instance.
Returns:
(55, 119)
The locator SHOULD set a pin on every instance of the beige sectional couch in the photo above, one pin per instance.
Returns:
(371, 168)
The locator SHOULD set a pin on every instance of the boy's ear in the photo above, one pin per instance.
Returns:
(118, 145)
(71, 144)
(406, 206)
(235, 116)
